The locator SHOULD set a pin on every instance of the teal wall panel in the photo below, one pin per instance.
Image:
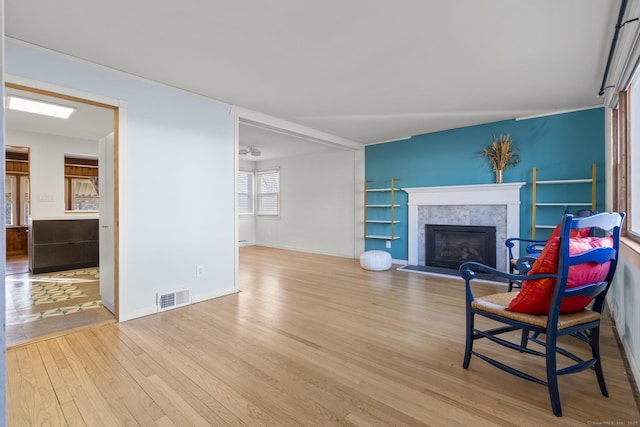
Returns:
(561, 146)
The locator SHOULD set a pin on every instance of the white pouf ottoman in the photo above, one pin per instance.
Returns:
(375, 260)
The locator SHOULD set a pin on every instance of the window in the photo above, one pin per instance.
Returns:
(633, 157)
(268, 192)
(16, 199)
(84, 195)
(626, 152)
(24, 199)
(245, 193)
(81, 184)
(9, 200)
(16, 182)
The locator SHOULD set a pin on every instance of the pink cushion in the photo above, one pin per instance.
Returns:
(535, 295)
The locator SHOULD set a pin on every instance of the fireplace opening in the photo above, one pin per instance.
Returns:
(449, 246)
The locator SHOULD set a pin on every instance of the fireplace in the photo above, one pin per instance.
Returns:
(449, 246)
(480, 204)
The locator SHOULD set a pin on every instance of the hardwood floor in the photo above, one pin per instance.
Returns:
(310, 340)
(17, 264)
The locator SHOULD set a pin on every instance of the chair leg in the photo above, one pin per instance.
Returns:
(469, 341)
(552, 377)
(525, 339)
(512, 270)
(595, 350)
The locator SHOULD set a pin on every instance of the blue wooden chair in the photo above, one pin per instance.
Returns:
(583, 325)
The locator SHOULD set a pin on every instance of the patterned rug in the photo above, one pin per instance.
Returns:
(60, 311)
(43, 293)
(51, 290)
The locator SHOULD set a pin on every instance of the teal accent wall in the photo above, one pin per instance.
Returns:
(561, 146)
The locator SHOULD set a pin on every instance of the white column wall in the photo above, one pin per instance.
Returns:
(317, 208)
(176, 176)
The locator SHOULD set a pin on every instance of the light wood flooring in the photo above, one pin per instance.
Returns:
(310, 341)
(28, 319)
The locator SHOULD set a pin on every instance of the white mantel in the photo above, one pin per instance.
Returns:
(506, 194)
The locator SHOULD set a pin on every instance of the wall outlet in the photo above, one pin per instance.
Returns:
(388, 244)
(200, 271)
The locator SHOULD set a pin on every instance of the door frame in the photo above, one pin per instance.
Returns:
(59, 92)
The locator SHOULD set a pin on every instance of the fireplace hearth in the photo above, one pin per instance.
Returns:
(448, 246)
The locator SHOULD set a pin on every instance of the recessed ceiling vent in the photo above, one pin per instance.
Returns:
(173, 299)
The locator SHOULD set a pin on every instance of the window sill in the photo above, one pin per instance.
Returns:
(630, 250)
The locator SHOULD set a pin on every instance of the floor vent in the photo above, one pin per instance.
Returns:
(173, 299)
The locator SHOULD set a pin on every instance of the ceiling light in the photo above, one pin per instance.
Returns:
(38, 107)
(254, 151)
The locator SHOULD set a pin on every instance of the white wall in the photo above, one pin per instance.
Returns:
(317, 212)
(46, 161)
(176, 178)
(624, 300)
(3, 365)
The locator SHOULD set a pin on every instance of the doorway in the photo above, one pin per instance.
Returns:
(50, 291)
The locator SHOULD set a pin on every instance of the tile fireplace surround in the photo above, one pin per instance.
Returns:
(485, 204)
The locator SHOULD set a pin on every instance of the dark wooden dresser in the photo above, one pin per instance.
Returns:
(63, 244)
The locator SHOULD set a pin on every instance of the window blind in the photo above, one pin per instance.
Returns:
(268, 189)
(245, 192)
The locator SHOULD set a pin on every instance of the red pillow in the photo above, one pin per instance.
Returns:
(535, 295)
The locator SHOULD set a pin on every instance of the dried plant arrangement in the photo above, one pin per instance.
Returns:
(501, 154)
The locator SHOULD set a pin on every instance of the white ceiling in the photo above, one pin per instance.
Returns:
(86, 122)
(364, 70)
(275, 145)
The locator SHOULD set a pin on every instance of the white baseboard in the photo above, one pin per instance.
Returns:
(211, 295)
(628, 352)
(306, 250)
(632, 362)
(141, 312)
(153, 309)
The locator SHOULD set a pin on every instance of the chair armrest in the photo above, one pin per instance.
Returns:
(468, 269)
(510, 241)
(535, 248)
(531, 248)
(523, 264)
